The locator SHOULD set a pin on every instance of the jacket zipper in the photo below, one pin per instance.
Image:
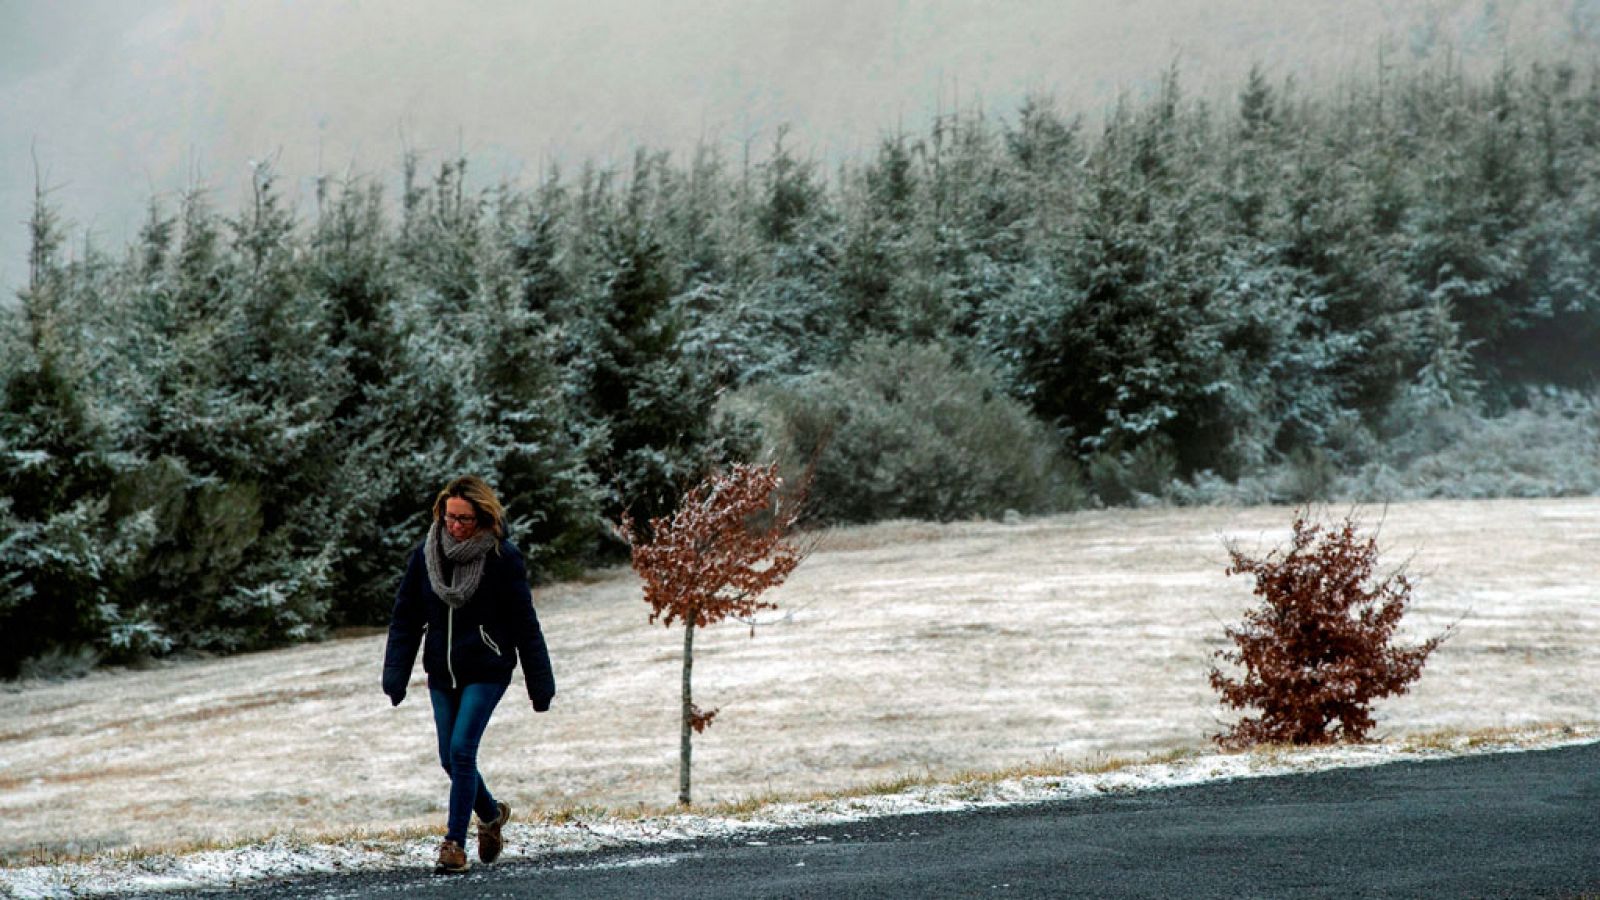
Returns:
(492, 645)
(449, 645)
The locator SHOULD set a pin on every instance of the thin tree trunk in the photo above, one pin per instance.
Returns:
(688, 707)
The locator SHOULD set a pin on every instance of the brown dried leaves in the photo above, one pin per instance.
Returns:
(726, 545)
(1319, 649)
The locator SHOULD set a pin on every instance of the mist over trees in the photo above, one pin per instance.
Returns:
(226, 435)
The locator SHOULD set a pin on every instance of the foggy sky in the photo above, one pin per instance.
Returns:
(122, 100)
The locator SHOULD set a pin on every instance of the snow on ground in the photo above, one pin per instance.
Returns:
(903, 648)
(282, 857)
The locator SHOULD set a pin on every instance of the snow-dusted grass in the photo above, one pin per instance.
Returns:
(902, 649)
(580, 830)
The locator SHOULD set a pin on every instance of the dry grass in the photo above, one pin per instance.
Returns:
(1457, 739)
(970, 785)
(898, 532)
(903, 654)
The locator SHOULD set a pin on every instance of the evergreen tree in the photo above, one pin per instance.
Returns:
(517, 406)
(62, 557)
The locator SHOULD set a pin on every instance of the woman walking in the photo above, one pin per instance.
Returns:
(466, 592)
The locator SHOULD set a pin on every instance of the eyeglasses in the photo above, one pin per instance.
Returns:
(452, 519)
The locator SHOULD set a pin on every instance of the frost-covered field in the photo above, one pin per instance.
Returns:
(899, 648)
(595, 830)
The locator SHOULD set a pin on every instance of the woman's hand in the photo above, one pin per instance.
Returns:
(394, 684)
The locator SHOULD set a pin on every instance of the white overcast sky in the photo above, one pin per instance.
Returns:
(121, 100)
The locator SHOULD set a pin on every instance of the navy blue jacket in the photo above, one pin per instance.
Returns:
(480, 642)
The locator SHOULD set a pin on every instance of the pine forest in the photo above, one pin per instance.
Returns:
(227, 435)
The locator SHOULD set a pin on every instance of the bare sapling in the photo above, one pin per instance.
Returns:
(1320, 647)
(727, 543)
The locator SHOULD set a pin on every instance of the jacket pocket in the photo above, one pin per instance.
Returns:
(489, 642)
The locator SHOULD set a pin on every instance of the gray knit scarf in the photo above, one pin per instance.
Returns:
(468, 558)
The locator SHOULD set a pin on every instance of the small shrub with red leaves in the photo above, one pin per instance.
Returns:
(1320, 647)
(727, 543)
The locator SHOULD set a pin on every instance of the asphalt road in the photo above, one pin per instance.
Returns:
(1502, 825)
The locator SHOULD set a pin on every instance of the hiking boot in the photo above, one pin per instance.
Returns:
(452, 859)
(489, 841)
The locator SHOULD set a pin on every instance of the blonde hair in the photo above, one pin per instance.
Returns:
(476, 491)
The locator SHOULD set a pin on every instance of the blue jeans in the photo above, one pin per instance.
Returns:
(460, 717)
